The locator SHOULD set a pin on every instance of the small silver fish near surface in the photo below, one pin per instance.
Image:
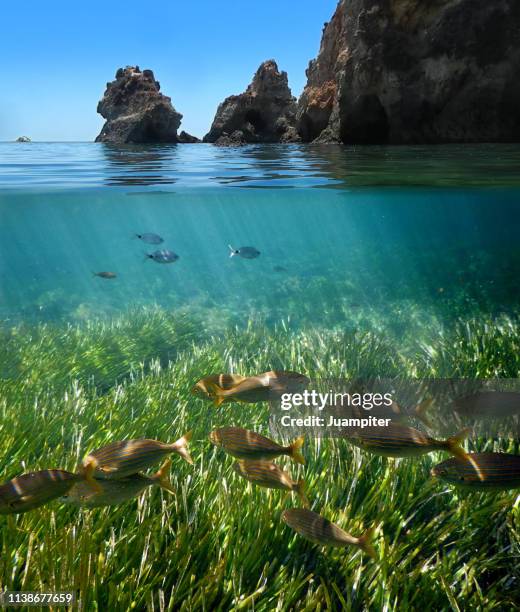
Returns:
(150, 238)
(246, 252)
(163, 256)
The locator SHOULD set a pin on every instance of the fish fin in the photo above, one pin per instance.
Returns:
(217, 394)
(181, 447)
(420, 412)
(232, 251)
(453, 444)
(295, 450)
(89, 467)
(218, 401)
(162, 476)
(299, 488)
(364, 542)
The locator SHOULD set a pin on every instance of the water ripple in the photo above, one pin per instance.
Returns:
(81, 165)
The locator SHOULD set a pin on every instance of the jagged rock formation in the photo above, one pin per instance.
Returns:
(187, 138)
(265, 112)
(403, 71)
(23, 139)
(136, 111)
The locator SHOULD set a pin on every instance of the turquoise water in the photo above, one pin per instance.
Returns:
(373, 237)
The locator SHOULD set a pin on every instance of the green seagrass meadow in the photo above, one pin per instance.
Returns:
(219, 542)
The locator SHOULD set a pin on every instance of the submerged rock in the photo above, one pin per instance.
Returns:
(265, 112)
(23, 139)
(136, 111)
(402, 71)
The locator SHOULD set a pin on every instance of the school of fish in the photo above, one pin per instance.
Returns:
(167, 256)
(117, 472)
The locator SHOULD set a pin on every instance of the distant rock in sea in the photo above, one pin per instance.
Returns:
(404, 71)
(23, 139)
(265, 112)
(136, 111)
(187, 138)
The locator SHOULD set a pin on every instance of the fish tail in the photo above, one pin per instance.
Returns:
(453, 444)
(88, 469)
(420, 412)
(364, 542)
(162, 476)
(295, 450)
(299, 488)
(233, 251)
(181, 447)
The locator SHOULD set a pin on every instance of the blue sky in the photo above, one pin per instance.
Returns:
(57, 56)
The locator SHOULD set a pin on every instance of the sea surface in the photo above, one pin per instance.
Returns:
(357, 237)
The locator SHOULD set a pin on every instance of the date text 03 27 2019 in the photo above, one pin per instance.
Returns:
(37, 598)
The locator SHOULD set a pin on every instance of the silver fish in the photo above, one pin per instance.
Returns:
(247, 252)
(163, 256)
(150, 238)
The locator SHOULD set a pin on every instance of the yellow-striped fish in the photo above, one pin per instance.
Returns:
(261, 388)
(245, 444)
(323, 532)
(117, 491)
(402, 441)
(481, 471)
(32, 490)
(269, 475)
(121, 459)
(203, 388)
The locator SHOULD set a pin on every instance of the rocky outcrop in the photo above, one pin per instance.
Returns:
(265, 112)
(184, 137)
(403, 71)
(136, 111)
(23, 139)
